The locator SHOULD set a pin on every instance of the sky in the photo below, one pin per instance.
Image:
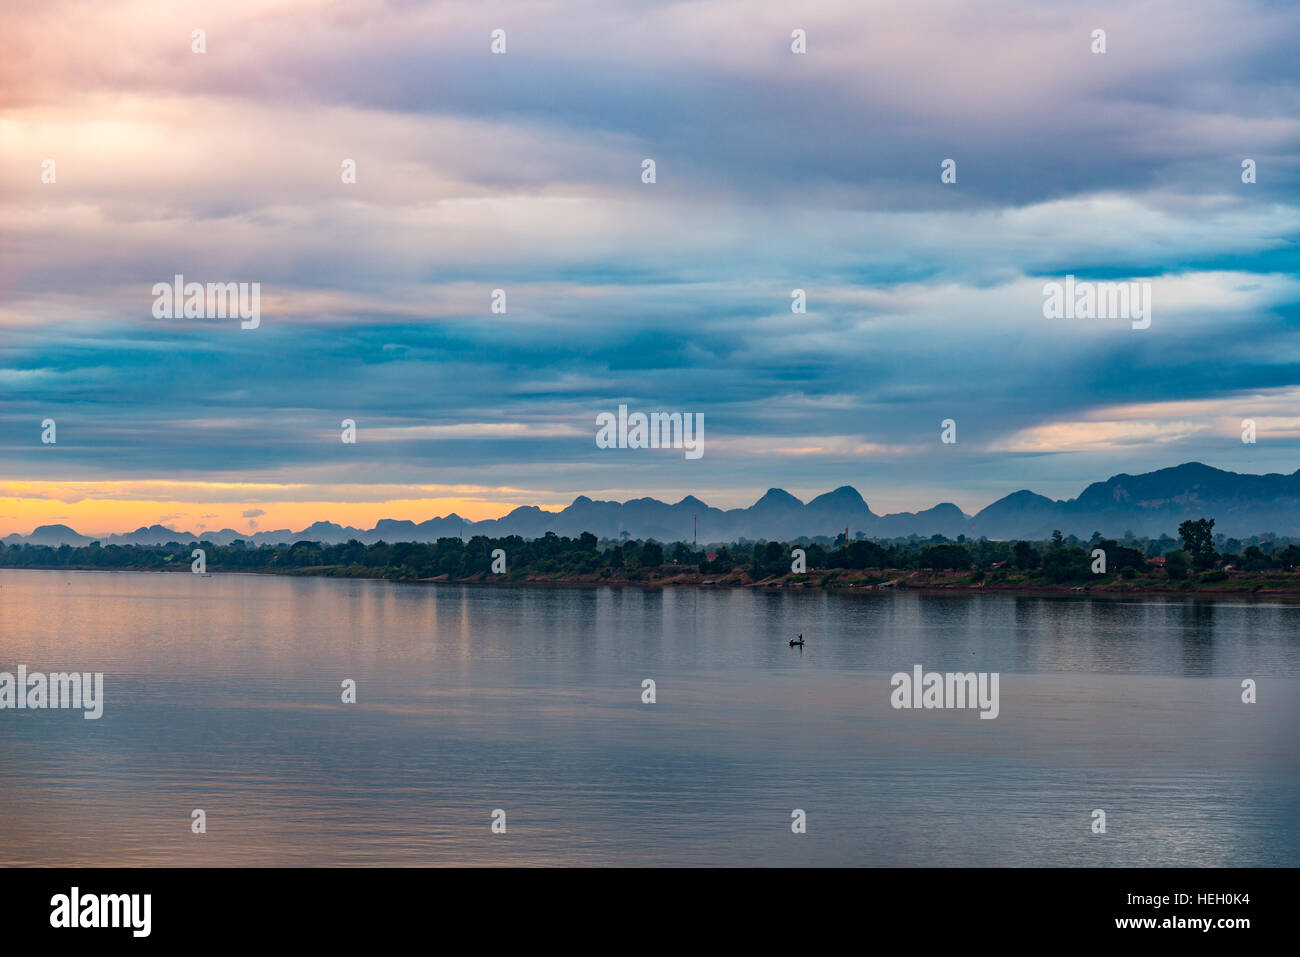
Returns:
(522, 171)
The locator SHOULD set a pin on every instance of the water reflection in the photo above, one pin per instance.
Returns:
(223, 693)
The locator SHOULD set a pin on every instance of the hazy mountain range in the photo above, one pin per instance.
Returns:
(1150, 504)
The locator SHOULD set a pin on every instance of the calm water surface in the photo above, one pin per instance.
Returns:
(223, 693)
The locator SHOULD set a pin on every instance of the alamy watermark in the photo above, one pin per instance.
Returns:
(60, 689)
(654, 430)
(1082, 299)
(217, 300)
(951, 690)
(75, 909)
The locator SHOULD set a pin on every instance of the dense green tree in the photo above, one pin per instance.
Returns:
(652, 554)
(1024, 556)
(1198, 542)
(939, 557)
(1176, 563)
(1120, 557)
(1062, 559)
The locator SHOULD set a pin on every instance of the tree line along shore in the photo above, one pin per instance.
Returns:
(1197, 560)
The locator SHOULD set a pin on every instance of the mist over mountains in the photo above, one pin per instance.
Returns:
(1150, 504)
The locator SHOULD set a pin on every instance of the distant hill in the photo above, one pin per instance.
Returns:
(1150, 504)
(52, 535)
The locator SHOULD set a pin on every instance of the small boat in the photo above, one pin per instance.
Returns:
(797, 641)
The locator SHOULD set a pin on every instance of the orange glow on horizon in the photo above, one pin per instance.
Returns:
(102, 516)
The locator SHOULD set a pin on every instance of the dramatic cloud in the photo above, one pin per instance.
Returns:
(522, 172)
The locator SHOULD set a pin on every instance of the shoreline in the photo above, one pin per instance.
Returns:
(932, 585)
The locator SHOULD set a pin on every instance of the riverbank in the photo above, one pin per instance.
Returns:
(1244, 585)
(1271, 584)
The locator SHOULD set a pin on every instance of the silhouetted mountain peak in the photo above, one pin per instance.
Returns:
(777, 498)
(1026, 497)
(1152, 503)
(846, 496)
